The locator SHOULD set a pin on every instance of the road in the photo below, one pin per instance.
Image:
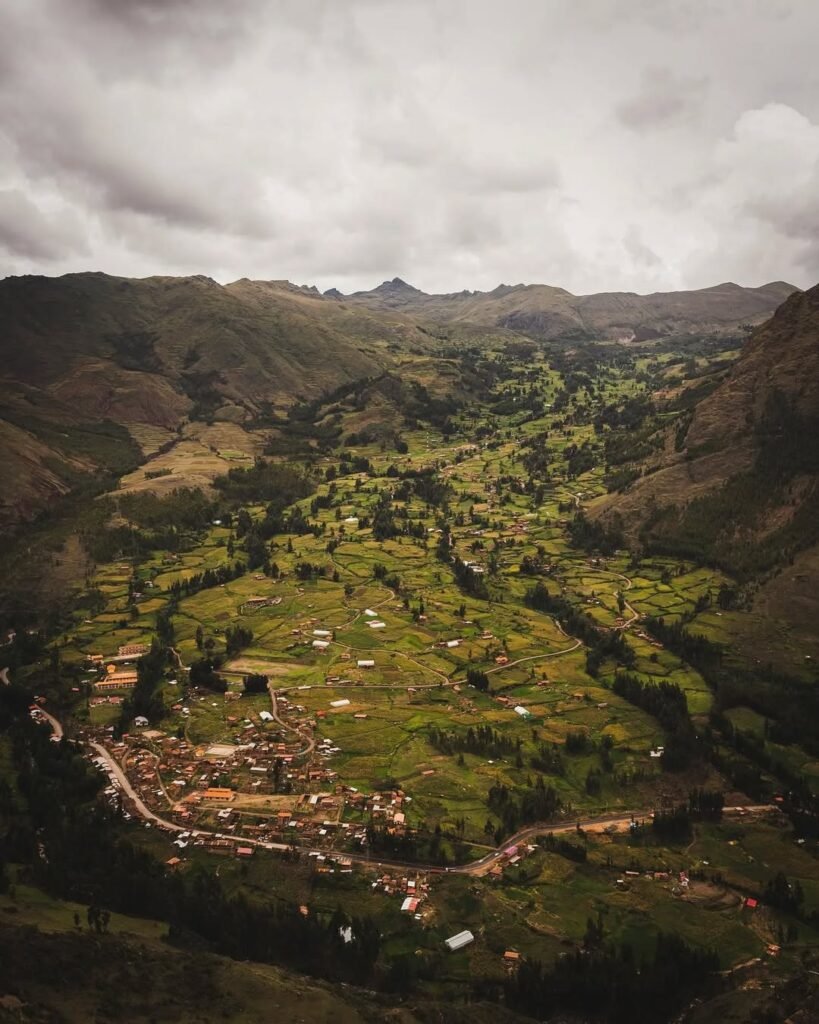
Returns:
(596, 823)
(536, 657)
(635, 615)
(309, 741)
(477, 867)
(142, 810)
(56, 725)
(179, 663)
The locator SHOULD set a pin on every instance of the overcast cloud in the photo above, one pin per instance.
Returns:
(597, 145)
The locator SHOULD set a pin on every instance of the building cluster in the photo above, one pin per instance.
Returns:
(118, 671)
(385, 808)
(412, 888)
(511, 856)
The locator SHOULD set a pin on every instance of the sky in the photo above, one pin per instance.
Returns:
(601, 145)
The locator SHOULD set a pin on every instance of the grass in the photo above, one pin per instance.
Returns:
(542, 908)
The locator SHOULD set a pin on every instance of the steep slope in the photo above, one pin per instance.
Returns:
(768, 403)
(254, 340)
(86, 348)
(550, 313)
(780, 358)
(737, 481)
(102, 977)
(149, 354)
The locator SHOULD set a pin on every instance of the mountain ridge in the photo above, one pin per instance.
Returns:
(159, 351)
(548, 312)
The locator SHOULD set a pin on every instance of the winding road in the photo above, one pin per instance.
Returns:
(310, 742)
(599, 822)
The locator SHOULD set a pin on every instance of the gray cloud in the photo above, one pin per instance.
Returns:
(634, 144)
(27, 232)
(636, 248)
(660, 99)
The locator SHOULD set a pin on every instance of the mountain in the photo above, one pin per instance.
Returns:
(552, 313)
(101, 371)
(736, 478)
(90, 354)
(251, 340)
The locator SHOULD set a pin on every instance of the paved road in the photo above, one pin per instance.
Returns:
(618, 819)
(477, 867)
(599, 822)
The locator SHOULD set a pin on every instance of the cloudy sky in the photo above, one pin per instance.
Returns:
(597, 145)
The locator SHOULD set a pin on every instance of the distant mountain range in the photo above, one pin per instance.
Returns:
(550, 313)
(89, 358)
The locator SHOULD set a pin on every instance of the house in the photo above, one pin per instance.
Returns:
(140, 721)
(133, 650)
(458, 941)
(117, 681)
(266, 716)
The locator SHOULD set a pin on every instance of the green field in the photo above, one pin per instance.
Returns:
(370, 547)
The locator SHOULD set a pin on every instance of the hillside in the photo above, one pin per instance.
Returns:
(100, 372)
(100, 977)
(90, 353)
(736, 480)
(552, 313)
(246, 341)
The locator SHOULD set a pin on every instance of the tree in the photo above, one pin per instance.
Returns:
(203, 673)
(477, 678)
(255, 683)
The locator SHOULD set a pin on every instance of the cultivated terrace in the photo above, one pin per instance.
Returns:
(404, 685)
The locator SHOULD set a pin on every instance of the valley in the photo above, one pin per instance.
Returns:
(397, 657)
